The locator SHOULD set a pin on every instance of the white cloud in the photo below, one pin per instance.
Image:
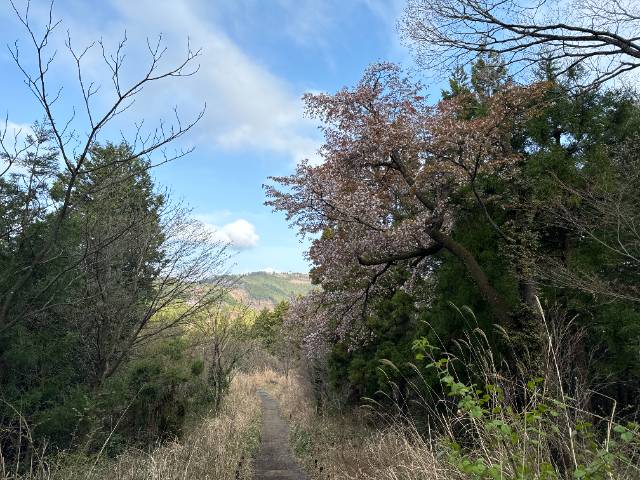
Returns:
(13, 137)
(248, 107)
(308, 20)
(240, 234)
(12, 132)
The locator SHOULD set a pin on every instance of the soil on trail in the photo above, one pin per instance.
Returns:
(275, 460)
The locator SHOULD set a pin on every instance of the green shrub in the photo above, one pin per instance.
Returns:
(530, 432)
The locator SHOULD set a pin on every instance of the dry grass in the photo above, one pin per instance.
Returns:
(220, 447)
(368, 445)
(363, 444)
(346, 446)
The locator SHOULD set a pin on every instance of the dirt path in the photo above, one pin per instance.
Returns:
(275, 460)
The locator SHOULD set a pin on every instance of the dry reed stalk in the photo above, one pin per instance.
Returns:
(215, 449)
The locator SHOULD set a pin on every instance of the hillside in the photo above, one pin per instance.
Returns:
(265, 290)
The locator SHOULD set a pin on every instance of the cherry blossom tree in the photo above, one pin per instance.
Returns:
(382, 199)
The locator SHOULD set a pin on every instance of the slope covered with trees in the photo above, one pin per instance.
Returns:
(266, 290)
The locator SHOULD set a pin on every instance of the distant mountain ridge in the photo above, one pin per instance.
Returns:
(265, 289)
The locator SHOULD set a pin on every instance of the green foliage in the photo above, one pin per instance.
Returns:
(540, 437)
(575, 143)
(300, 440)
(66, 363)
(360, 372)
(273, 288)
(558, 222)
(578, 144)
(157, 392)
(267, 327)
(453, 286)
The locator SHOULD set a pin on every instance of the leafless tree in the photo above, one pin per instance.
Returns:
(601, 36)
(121, 309)
(72, 138)
(220, 328)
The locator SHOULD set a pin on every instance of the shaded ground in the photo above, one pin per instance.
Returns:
(275, 460)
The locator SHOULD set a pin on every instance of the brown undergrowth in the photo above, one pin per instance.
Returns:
(350, 445)
(480, 433)
(218, 447)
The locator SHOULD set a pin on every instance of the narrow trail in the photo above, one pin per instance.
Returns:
(275, 460)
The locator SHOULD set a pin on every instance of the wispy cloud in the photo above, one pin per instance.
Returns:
(14, 133)
(13, 137)
(248, 107)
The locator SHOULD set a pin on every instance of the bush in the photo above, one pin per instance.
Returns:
(156, 393)
(528, 431)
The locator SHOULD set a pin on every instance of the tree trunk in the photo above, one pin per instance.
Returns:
(498, 305)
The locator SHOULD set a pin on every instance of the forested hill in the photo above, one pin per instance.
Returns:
(265, 290)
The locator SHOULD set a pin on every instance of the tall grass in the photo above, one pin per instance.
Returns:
(219, 447)
(487, 424)
(477, 421)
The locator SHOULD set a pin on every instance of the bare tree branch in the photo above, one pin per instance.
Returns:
(71, 146)
(603, 37)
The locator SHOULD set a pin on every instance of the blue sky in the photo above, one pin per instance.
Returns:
(259, 57)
